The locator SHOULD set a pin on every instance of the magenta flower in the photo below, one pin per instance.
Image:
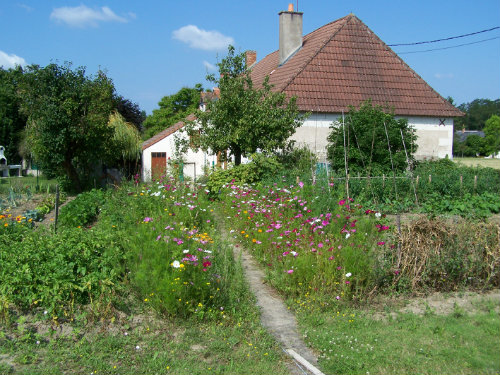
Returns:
(289, 271)
(147, 219)
(342, 202)
(380, 243)
(301, 184)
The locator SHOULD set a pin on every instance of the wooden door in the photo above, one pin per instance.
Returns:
(158, 164)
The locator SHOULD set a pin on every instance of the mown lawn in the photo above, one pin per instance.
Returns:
(481, 162)
(359, 341)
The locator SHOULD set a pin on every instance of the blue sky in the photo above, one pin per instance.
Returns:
(152, 48)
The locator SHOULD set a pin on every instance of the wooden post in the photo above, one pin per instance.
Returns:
(347, 185)
(416, 183)
(461, 182)
(56, 208)
(430, 179)
(398, 223)
(475, 183)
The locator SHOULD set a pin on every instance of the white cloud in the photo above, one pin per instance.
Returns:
(83, 16)
(202, 39)
(209, 67)
(443, 75)
(10, 61)
(26, 7)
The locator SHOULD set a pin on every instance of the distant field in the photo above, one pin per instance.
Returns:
(473, 162)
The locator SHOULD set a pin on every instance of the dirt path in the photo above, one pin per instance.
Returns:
(50, 217)
(275, 316)
(279, 321)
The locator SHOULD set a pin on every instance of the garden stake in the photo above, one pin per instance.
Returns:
(57, 208)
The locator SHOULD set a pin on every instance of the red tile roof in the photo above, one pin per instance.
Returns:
(344, 63)
(165, 133)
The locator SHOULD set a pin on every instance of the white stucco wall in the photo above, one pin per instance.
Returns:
(434, 140)
(195, 161)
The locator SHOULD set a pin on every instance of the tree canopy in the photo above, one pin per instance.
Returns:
(245, 118)
(68, 113)
(476, 114)
(492, 135)
(12, 122)
(173, 108)
(370, 140)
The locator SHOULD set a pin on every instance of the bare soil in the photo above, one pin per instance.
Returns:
(437, 303)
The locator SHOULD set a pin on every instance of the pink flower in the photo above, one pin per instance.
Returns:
(337, 297)
(301, 184)
(320, 244)
(147, 219)
(158, 238)
(342, 202)
(380, 243)
(289, 271)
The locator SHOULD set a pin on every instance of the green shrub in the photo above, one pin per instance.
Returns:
(53, 272)
(83, 210)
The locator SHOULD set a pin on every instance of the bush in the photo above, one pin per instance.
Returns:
(83, 210)
(53, 272)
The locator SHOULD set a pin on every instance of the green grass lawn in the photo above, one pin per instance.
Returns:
(361, 342)
(142, 344)
(474, 162)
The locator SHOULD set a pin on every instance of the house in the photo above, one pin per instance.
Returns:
(161, 148)
(344, 63)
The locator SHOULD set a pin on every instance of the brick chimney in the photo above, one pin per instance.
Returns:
(290, 33)
(251, 58)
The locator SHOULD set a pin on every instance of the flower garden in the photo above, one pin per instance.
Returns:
(164, 246)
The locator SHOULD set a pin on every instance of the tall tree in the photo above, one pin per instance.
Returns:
(371, 141)
(12, 122)
(476, 113)
(68, 116)
(245, 118)
(173, 108)
(492, 135)
(130, 111)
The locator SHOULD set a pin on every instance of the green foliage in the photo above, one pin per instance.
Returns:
(476, 113)
(260, 167)
(130, 111)
(12, 122)
(83, 210)
(67, 113)
(126, 141)
(173, 108)
(366, 135)
(245, 118)
(53, 272)
(492, 135)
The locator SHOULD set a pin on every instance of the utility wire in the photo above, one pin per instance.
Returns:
(458, 45)
(440, 40)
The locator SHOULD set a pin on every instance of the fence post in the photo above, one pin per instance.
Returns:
(56, 208)
(430, 179)
(461, 182)
(418, 178)
(475, 183)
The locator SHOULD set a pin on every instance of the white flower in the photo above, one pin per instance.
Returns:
(378, 215)
(185, 251)
(347, 235)
(137, 347)
(176, 264)
(348, 274)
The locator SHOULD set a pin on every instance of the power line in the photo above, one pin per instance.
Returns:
(458, 45)
(440, 40)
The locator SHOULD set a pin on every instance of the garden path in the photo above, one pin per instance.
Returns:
(275, 316)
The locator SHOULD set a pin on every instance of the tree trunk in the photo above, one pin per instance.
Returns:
(237, 156)
(73, 176)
